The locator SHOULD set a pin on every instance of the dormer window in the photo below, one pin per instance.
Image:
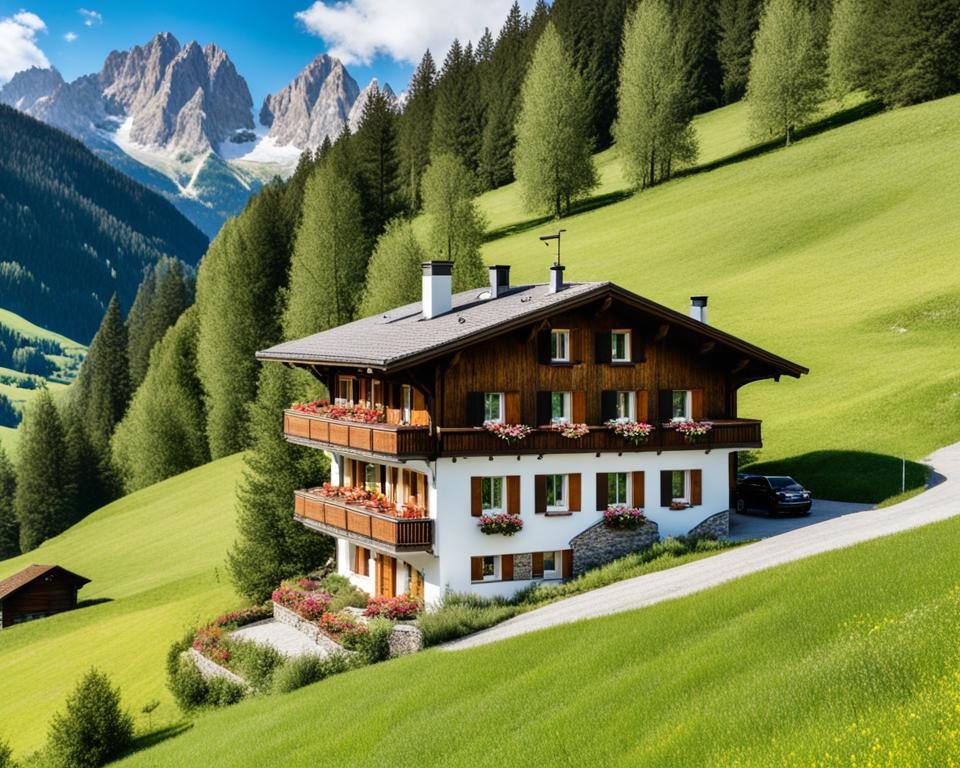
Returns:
(620, 346)
(493, 407)
(560, 346)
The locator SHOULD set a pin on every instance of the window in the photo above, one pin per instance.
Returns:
(376, 394)
(370, 477)
(617, 493)
(560, 407)
(620, 346)
(626, 405)
(406, 403)
(345, 390)
(681, 404)
(493, 407)
(678, 484)
(491, 494)
(556, 493)
(491, 568)
(551, 565)
(560, 346)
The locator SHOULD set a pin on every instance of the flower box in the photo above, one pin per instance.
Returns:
(357, 413)
(693, 430)
(509, 433)
(678, 504)
(623, 518)
(570, 430)
(635, 432)
(506, 525)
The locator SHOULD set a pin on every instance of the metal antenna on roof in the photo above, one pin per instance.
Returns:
(547, 238)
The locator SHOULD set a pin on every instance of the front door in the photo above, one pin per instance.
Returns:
(386, 576)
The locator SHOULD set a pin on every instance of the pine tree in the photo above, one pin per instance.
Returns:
(45, 500)
(329, 257)
(553, 160)
(484, 48)
(786, 70)
(393, 275)
(92, 475)
(737, 20)
(377, 163)
(163, 432)
(457, 117)
(653, 129)
(416, 129)
(271, 545)
(9, 528)
(456, 225)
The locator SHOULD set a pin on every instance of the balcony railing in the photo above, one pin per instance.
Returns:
(390, 439)
(475, 441)
(362, 525)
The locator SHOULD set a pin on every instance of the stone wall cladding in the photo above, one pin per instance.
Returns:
(210, 669)
(404, 639)
(523, 566)
(716, 526)
(307, 628)
(599, 544)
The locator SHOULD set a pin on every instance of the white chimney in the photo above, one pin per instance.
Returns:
(698, 308)
(556, 279)
(499, 279)
(437, 288)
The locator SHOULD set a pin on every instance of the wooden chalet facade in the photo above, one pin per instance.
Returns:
(433, 373)
(36, 592)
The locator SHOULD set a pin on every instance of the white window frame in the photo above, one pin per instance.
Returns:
(495, 576)
(406, 403)
(626, 333)
(627, 490)
(498, 419)
(686, 486)
(376, 393)
(564, 506)
(631, 398)
(493, 482)
(348, 382)
(369, 469)
(560, 337)
(555, 572)
(567, 408)
(687, 405)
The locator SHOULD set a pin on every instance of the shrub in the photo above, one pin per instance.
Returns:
(345, 593)
(459, 615)
(399, 608)
(374, 644)
(344, 629)
(222, 692)
(256, 663)
(306, 670)
(188, 686)
(6, 755)
(94, 729)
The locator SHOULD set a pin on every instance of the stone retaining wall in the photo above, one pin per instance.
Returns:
(404, 639)
(599, 544)
(716, 526)
(210, 669)
(304, 627)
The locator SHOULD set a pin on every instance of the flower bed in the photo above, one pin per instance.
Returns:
(569, 430)
(372, 500)
(635, 432)
(509, 433)
(506, 525)
(309, 604)
(623, 518)
(693, 430)
(356, 413)
(342, 628)
(399, 608)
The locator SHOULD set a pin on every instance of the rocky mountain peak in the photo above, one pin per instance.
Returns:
(27, 87)
(356, 111)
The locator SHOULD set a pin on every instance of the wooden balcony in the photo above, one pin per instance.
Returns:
(361, 525)
(396, 440)
(472, 441)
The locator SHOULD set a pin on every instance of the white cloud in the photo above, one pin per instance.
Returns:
(70, 36)
(91, 18)
(18, 44)
(358, 30)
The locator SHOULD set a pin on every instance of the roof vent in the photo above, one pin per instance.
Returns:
(437, 285)
(499, 279)
(698, 308)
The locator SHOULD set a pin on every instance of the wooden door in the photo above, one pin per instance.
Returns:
(386, 576)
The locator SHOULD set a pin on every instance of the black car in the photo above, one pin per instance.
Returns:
(772, 494)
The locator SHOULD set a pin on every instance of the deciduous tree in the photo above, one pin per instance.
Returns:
(393, 275)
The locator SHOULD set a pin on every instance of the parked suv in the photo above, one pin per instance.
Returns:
(774, 494)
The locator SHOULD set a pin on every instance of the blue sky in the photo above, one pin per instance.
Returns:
(268, 41)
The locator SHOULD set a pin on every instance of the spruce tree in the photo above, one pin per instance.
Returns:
(456, 224)
(553, 160)
(698, 26)
(329, 257)
(737, 21)
(457, 117)
(393, 275)
(416, 128)
(45, 499)
(271, 545)
(92, 474)
(9, 528)
(377, 163)
(653, 128)
(786, 70)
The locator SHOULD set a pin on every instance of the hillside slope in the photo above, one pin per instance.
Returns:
(838, 252)
(155, 561)
(74, 230)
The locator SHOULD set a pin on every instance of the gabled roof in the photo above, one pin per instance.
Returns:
(30, 574)
(403, 337)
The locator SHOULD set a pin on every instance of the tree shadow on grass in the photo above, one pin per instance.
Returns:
(158, 735)
(848, 475)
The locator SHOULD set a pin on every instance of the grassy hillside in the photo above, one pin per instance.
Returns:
(838, 252)
(857, 666)
(155, 560)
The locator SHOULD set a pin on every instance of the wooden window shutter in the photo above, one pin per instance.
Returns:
(696, 487)
(666, 488)
(602, 352)
(537, 565)
(513, 494)
(603, 498)
(576, 345)
(540, 493)
(643, 406)
(573, 486)
(696, 404)
(636, 479)
(357, 558)
(579, 407)
(608, 405)
(475, 409)
(665, 405)
(506, 567)
(636, 347)
(511, 407)
(544, 407)
(476, 496)
(544, 353)
(356, 390)
(567, 556)
(476, 569)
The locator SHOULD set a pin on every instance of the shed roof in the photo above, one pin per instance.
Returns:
(30, 574)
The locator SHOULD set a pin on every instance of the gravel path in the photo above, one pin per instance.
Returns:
(938, 503)
(285, 639)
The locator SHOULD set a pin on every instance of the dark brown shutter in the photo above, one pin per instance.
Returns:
(476, 569)
(511, 407)
(665, 405)
(540, 493)
(603, 497)
(567, 556)
(356, 390)
(696, 487)
(666, 488)
(578, 407)
(643, 406)
(601, 347)
(476, 496)
(544, 407)
(506, 567)
(636, 347)
(696, 404)
(397, 391)
(475, 409)
(543, 347)
(638, 491)
(537, 565)
(573, 486)
(576, 345)
(513, 494)
(608, 405)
